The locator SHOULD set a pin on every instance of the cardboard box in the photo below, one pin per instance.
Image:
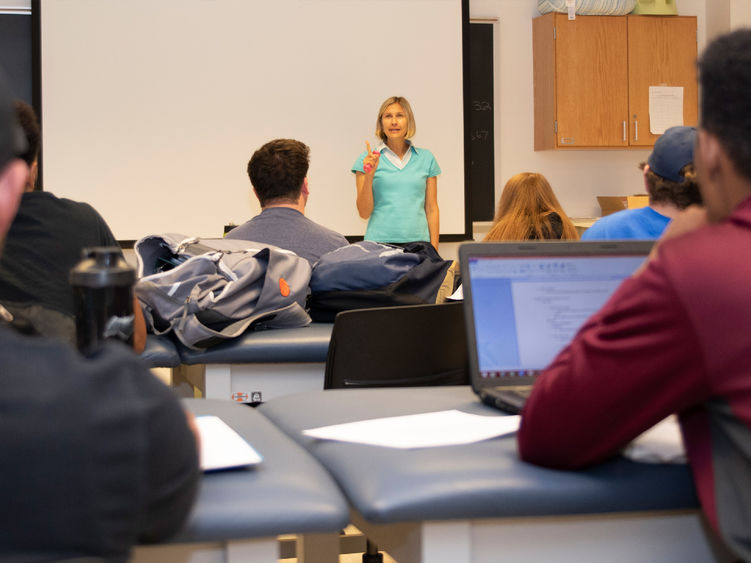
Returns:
(612, 203)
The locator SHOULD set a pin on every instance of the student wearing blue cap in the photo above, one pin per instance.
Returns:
(670, 182)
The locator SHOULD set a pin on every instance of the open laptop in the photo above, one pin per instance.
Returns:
(524, 301)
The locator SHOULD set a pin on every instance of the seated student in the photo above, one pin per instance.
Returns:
(97, 454)
(278, 172)
(675, 337)
(528, 209)
(670, 181)
(44, 243)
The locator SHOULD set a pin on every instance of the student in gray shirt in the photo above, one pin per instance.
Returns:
(278, 173)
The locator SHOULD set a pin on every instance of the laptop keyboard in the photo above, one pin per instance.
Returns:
(521, 390)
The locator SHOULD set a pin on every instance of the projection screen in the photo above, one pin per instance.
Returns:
(151, 110)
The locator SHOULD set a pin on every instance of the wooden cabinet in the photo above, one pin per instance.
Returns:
(661, 51)
(592, 77)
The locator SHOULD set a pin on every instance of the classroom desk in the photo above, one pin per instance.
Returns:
(239, 513)
(479, 503)
(160, 352)
(261, 365)
(583, 223)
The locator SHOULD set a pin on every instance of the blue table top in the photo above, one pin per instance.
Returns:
(288, 492)
(160, 351)
(305, 344)
(481, 480)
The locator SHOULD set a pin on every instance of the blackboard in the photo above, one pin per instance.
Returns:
(15, 53)
(480, 132)
(19, 59)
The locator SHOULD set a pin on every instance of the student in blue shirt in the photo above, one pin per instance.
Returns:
(398, 193)
(670, 181)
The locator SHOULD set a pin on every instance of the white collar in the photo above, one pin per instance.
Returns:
(383, 146)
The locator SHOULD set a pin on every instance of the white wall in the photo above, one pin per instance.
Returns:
(740, 13)
(14, 6)
(576, 176)
(725, 15)
(717, 18)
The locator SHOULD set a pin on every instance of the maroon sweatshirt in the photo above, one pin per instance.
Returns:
(674, 339)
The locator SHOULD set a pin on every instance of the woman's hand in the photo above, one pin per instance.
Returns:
(370, 162)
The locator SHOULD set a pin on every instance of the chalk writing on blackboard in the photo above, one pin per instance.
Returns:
(480, 135)
(481, 105)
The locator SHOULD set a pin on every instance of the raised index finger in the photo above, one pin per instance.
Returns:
(367, 147)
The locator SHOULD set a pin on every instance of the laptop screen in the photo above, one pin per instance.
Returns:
(525, 309)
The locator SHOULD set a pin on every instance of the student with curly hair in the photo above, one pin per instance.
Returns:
(670, 182)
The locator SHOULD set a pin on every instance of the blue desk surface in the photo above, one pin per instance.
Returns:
(160, 351)
(306, 344)
(288, 492)
(481, 480)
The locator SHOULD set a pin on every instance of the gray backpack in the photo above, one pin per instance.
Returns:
(208, 291)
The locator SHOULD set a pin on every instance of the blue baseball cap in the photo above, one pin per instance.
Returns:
(12, 139)
(672, 151)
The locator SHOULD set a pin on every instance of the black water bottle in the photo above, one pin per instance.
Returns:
(103, 286)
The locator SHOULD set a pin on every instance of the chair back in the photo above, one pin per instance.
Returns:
(404, 346)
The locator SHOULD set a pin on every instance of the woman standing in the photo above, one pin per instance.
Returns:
(528, 209)
(397, 186)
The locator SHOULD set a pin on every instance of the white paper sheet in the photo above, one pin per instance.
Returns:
(442, 428)
(662, 443)
(222, 447)
(665, 108)
(458, 295)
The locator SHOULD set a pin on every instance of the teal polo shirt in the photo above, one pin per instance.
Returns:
(399, 197)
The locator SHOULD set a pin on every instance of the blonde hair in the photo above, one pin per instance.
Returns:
(411, 126)
(525, 209)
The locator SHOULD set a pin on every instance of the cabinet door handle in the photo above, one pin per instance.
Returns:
(624, 130)
(636, 129)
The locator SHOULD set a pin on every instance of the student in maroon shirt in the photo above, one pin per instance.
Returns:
(676, 337)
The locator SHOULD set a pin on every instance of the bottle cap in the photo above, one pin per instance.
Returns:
(102, 266)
